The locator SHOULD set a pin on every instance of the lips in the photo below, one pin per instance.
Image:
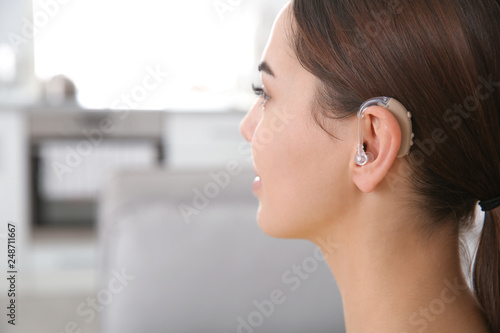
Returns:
(257, 184)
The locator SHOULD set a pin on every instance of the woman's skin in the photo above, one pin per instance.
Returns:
(393, 277)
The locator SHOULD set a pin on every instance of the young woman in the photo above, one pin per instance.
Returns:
(389, 224)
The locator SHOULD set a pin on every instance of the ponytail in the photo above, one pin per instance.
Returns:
(486, 276)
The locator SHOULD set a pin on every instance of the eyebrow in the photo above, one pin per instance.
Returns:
(264, 67)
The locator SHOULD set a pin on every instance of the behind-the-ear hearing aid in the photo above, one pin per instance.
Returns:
(403, 117)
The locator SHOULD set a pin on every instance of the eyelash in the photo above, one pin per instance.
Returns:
(259, 91)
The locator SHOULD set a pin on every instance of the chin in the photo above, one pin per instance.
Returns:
(279, 226)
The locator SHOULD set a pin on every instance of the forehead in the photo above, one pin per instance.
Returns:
(278, 52)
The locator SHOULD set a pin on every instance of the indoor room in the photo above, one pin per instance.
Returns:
(236, 166)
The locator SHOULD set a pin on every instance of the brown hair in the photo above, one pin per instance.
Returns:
(441, 59)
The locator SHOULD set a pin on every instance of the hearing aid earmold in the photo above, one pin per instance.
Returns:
(403, 117)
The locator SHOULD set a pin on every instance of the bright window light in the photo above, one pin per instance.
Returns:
(149, 54)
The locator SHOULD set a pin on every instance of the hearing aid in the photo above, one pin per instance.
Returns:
(403, 117)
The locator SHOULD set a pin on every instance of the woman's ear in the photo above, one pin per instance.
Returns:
(381, 138)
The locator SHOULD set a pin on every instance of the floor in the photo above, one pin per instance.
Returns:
(58, 274)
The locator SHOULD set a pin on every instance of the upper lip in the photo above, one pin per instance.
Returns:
(255, 170)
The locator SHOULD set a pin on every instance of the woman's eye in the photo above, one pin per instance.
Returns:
(259, 91)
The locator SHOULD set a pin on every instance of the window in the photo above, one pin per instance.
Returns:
(204, 52)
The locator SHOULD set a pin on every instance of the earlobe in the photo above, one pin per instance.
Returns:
(382, 137)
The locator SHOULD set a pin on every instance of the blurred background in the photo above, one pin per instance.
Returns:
(123, 170)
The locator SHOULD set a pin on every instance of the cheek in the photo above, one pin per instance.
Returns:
(299, 184)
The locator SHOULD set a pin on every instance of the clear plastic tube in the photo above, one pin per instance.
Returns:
(361, 157)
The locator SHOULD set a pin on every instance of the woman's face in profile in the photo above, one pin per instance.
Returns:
(303, 170)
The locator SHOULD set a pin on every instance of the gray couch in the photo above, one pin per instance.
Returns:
(204, 267)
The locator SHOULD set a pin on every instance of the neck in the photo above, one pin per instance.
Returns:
(395, 279)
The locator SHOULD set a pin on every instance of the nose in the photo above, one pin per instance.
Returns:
(245, 130)
(250, 122)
